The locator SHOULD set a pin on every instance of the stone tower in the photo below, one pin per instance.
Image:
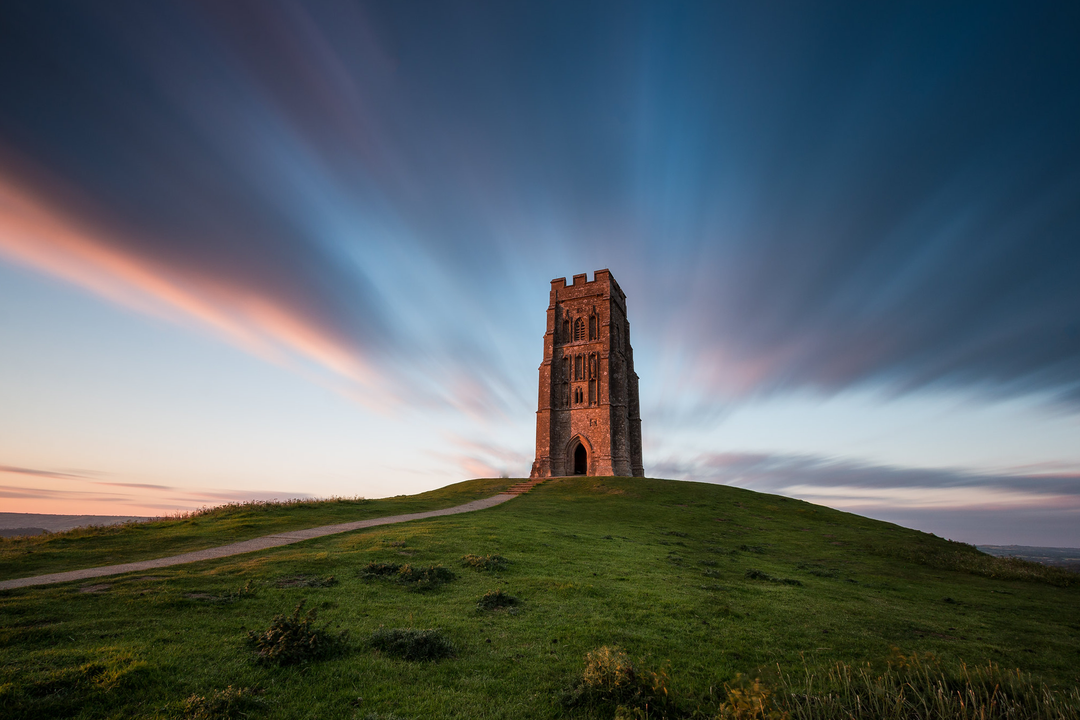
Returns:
(588, 421)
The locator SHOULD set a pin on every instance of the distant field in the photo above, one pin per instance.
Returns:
(692, 584)
(16, 524)
(1068, 558)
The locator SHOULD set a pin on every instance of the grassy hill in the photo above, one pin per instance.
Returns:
(665, 598)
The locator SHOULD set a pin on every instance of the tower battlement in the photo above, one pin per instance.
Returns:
(588, 418)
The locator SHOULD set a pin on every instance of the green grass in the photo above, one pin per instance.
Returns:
(689, 581)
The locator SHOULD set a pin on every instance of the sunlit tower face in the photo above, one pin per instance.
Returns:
(588, 420)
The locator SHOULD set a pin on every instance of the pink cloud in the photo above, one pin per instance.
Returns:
(37, 234)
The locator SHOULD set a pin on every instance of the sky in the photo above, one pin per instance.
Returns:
(255, 250)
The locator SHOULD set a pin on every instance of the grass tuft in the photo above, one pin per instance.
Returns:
(379, 569)
(293, 639)
(224, 704)
(496, 600)
(305, 581)
(749, 701)
(485, 562)
(920, 686)
(415, 578)
(412, 644)
(419, 579)
(611, 681)
(251, 507)
(760, 575)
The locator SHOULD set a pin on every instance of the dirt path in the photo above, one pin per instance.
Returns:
(262, 543)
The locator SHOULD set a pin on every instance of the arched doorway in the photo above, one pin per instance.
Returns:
(581, 460)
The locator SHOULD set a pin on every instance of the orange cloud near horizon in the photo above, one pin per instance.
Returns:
(42, 236)
(55, 493)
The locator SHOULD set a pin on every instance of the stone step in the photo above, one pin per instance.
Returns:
(522, 488)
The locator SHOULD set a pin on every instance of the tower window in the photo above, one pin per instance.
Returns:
(579, 330)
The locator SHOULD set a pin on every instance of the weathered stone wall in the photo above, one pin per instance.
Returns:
(588, 388)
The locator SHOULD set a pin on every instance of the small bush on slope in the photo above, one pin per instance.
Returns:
(378, 569)
(292, 639)
(611, 680)
(223, 704)
(424, 578)
(411, 644)
(413, 577)
(495, 600)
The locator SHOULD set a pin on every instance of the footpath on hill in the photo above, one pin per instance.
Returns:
(262, 543)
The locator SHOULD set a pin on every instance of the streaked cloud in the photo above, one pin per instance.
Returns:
(38, 473)
(797, 218)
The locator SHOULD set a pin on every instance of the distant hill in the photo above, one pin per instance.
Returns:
(22, 531)
(15, 524)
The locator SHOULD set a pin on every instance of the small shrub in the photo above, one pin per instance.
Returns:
(292, 639)
(485, 562)
(495, 600)
(610, 679)
(749, 701)
(377, 569)
(223, 704)
(413, 577)
(411, 644)
(424, 578)
(609, 670)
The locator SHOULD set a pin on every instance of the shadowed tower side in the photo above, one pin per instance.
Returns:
(588, 420)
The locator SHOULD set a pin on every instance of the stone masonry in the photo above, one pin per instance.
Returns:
(588, 420)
